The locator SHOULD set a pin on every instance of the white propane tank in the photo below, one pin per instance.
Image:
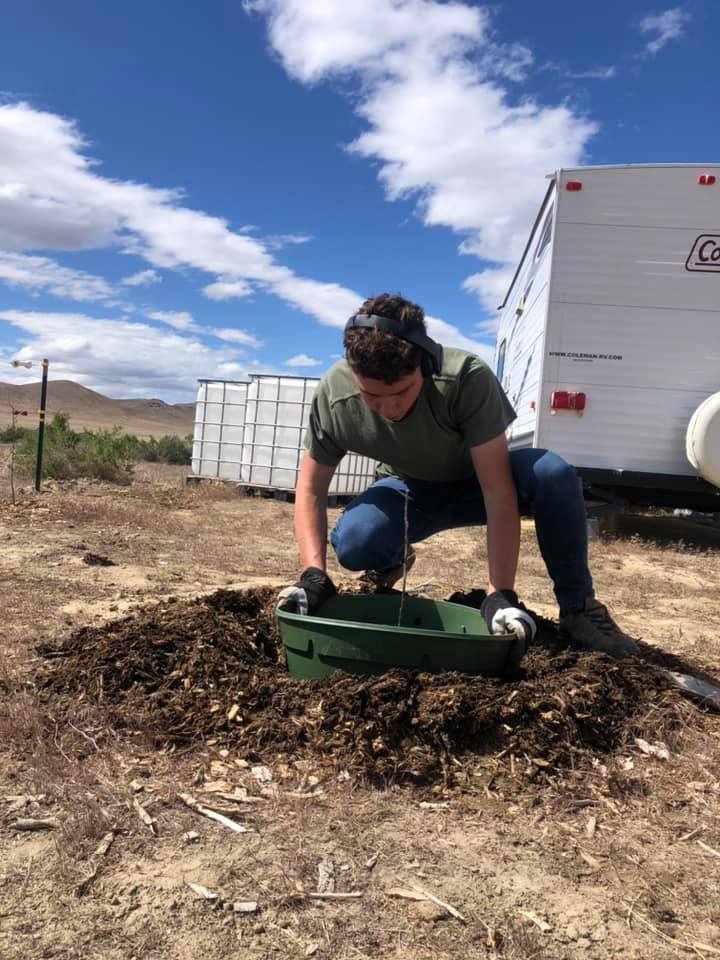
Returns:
(702, 440)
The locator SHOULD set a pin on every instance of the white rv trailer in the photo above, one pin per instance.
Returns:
(609, 337)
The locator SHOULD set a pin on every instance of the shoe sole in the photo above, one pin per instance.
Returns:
(390, 582)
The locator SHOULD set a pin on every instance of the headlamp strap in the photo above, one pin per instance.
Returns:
(393, 327)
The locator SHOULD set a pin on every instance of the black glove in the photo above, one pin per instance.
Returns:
(309, 593)
(503, 616)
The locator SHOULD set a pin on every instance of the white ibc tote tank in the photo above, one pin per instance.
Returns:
(219, 427)
(276, 416)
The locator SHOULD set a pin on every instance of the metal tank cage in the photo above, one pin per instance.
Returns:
(268, 454)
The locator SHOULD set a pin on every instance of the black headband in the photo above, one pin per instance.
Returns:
(371, 320)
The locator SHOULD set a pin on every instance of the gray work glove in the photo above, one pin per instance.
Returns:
(309, 593)
(503, 616)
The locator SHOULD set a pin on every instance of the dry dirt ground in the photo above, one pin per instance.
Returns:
(401, 818)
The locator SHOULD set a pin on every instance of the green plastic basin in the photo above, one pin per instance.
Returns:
(358, 634)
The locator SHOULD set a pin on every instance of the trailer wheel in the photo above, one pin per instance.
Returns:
(702, 440)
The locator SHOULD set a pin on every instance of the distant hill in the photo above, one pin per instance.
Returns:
(89, 410)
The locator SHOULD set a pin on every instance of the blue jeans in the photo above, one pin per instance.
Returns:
(370, 533)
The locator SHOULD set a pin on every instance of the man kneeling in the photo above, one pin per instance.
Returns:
(435, 417)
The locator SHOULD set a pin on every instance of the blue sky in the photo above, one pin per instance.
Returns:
(209, 190)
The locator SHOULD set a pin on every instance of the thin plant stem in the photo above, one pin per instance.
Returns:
(406, 548)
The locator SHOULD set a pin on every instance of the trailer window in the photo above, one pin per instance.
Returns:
(545, 236)
(501, 361)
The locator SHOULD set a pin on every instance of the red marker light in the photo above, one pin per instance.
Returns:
(706, 179)
(567, 400)
(573, 185)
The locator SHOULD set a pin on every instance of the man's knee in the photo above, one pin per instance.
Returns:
(356, 548)
(349, 541)
(366, 537)
(555, 477)
(541, 475)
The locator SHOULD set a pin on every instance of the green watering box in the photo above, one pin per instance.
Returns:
(358, 634)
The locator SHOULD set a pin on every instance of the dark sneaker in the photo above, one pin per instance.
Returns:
(387, 578)
(592, 628)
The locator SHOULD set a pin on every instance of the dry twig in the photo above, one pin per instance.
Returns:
(85, 735)
(100, 851)
(202, 891)
(404, 894)
(149, 821)
(699, 949)
(440, 903)
(534, 918)
(709, 849)
(327, 895)
(191, 802)
(28, 823)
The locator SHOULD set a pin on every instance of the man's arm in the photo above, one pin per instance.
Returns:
(492, 468)
(311, 497)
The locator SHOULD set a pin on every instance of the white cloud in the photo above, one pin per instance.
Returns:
(329, 302)
(54, 197)
(440, 124)
(227, 289)
(118, 357)
(302, 360)
(451, 337)
(50, 198)
(595, 73)
(261, 366)
(41, 274)
(182, 320)
(668, 25)
(511, 61)
(232, 371)
(591, 73)
(316, 38)
(142, 279)
(179, 319)
(490, 286)
(233, 335)
(280, 240)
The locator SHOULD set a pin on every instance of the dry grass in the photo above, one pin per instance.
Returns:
(646, 891)
(89, 508)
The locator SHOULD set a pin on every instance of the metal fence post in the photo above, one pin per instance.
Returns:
(41, 426)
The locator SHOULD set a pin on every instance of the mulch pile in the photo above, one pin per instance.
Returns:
(213, 668)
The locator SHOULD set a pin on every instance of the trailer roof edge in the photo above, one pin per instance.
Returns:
(552, 177)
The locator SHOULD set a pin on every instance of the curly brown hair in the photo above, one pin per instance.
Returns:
(378, 355)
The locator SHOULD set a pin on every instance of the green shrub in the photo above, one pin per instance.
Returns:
(175, 449)
(13, 434)
(101, 454)
(149, 450)
(168, 449)
(69, 454)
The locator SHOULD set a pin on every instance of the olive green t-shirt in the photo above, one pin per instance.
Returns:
(459, 408)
